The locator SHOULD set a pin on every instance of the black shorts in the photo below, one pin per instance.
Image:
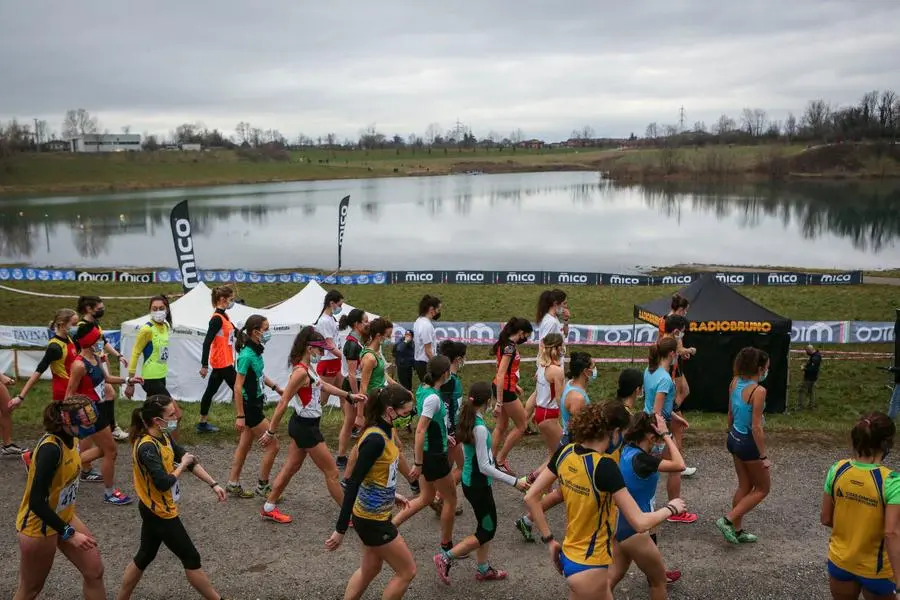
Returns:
(346, 386)
(742, 446)
(374, 533)
(155, 387)
(420, 367)
(435, 466)
(254, 414)
(106, 415)
(508, 396)
(305, 432)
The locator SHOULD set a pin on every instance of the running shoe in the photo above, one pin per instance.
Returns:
(205, 427)
(92, 476)
(504, 466)
(275, 515)
(341, 462)
(442, 564)
(11, 450)
(491, 574)
(437, 505)
(344, 483)
(672, 576)
(689, 472)
(525, 529)
(117, 498)
(727, 530)
(414, 488)
(26, 460)
(746, 538)
(263, 490)
(238, 491)
(683, 518)
(119, 434)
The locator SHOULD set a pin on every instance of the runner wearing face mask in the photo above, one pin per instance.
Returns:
(218, 352)
(249, 401)
(329, 367)
(152, 344)
(507, 391)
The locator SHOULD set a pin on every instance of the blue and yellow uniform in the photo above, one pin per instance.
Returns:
(162, 502)
(61, 487)
(588, 480)
(857, 552)
(375, 498)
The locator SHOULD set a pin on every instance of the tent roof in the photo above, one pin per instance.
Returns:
(305, 306)
(712, 301)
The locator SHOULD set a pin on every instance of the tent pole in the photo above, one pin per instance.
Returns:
(633, 334)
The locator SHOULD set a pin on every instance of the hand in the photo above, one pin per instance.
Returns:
(555, 552)
(204, 372)
(357, 398)
(519, 391)
(522, 484)
(680, 419)
(123, 361)
(6, 380)
(188, 459)
(334, 542)
(565, 315)
(678, 504)
(219, 492)
(660, 425)
(266, 438)
(414, 473)
(240, 423)
(82, 541)
(693, 351)
(129, 391)
(14, 402)
(451, 441)
(767, 463)
(137, 379)
(402, 502)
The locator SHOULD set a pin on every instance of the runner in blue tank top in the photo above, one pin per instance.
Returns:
(574, 398)
(747, 441)
(640, 465)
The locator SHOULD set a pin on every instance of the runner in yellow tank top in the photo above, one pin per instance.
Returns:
(861, 504)
(593, 492)
(46, 519)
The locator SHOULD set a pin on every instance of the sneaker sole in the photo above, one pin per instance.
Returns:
(445, 579)
(274, 520)
(729, 535)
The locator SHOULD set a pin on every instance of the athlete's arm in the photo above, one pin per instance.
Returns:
(52, 353)
(676, 463)
(826, 517)
(369, 450)
(484, 457)
(352, 364)
(659, 402)
(368, 365)
(759, 403)
(270, 383)
(76, 372)
(144, 336)
(179, 453)
(574, 402)
(297, 380)
(332, 347)
(240, 417)
(335, 391)
(730, 414)
(892, 519)
(149, 458)
(558, 378)
(46, 464)
(215, 326)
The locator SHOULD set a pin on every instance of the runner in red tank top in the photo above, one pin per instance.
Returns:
(507, 391)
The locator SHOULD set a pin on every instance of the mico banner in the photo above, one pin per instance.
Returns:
(184, 245)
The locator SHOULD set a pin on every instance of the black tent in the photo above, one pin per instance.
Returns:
(722, 321)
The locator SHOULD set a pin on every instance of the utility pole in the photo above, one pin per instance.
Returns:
(37, 142)
(681, 119)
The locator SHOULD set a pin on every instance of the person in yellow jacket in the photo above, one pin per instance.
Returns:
(46, 521)
(153, 345)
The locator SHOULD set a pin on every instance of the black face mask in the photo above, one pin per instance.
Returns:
(437, 316)
(98, 314)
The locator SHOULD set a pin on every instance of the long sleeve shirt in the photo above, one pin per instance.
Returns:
(370, 449)
(215, 326)
(148, 455)
(46, 463)
(483, 454)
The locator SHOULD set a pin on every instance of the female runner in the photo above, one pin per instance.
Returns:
(430, 451)
(574, 398)
(8, 448)
(304, 395)
(46, 521)
(861, 505)
(87, 378)
(641, 464)
(218, 352)
(370, 496)
(152, 344)
(249, 402)
(358, 323)
(424, 340)
(590, 481)
(158, 463)
(747, 442)
(451, 394)
(478, 474)
(329, 368)
(659, 398)
(507, 390)
(58, 358)
(549, 389)
(631, 390)
(552, 317)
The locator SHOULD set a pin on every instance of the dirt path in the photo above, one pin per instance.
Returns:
(250, 559)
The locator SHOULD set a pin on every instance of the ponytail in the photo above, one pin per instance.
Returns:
(306, 337)
(479, 395)
(546, 301)
(660, 350)
(253, 323)
(152, 408)
(331, 296)
(513, 326)
(220, 293)
(437, 367)
(62, 317)
(551, 349)
(352, 318)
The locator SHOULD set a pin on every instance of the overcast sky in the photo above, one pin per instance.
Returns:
(545, 67)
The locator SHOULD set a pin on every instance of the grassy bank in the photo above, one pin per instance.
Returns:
(846, 389)
(70, 173)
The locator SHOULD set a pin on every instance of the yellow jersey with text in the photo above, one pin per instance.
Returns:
(63, 489)
(163, 504)
(375, 498)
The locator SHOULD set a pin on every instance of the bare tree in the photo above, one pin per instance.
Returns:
(41, 129)
(126, 129)
(699, 127)
(759, 121)
(242, 132)
(432, 132)
(79, 122)
(886, 115)
(816, 117)
(724, 125)
(587, 133)
(652, 131)
(331, 139)
(670, 130)
(257, 137)
(790, 126)
(747, 120)
(516, 135)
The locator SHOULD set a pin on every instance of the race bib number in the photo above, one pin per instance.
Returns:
(176, 491)
(164, 354)
(67, 496)
(100, 390)
(392, 474)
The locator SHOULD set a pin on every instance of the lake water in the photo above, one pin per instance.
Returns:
(535, 221)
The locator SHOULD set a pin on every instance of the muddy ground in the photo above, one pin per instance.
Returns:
(250, 559)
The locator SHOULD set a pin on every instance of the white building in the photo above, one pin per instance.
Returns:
(191, 147)
(107, 142)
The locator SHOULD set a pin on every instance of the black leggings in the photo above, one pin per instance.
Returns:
(155, 387)
(420, 367)
(216, 377)
(482, 501)
(155, 531)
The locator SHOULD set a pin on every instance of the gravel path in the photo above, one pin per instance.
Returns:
(249, 559)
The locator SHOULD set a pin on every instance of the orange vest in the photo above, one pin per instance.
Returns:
(221, 353)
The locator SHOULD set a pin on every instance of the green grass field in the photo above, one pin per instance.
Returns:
(846, 388)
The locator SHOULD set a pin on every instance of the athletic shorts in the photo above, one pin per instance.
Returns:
(346, 386)
(156, 387)
(508, 396)
(253, 413)
(435, 466)
(542, 414)
(329, 368)
(105, 415)
(374, 533)
(877, 587)
(742, 446)
(305, 432)
(571, 567)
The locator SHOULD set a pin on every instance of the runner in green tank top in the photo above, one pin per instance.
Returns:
(478, 474)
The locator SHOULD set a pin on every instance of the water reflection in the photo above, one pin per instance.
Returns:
(604, 225)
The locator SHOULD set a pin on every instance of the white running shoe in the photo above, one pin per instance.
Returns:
(689, 471)
(119, 434)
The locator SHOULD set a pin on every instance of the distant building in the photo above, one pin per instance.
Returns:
(533, 144)
(191, 147)
(57, 146)
(107, 142)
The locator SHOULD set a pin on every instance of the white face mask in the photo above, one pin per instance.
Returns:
(158, 316)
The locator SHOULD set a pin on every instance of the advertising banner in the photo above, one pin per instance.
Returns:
(184, 245)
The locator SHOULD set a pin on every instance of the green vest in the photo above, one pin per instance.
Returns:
(436, 436)
(376, 379)
(472, 475)
(156, 353)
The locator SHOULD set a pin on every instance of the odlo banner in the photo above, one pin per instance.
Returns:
(184, 245)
